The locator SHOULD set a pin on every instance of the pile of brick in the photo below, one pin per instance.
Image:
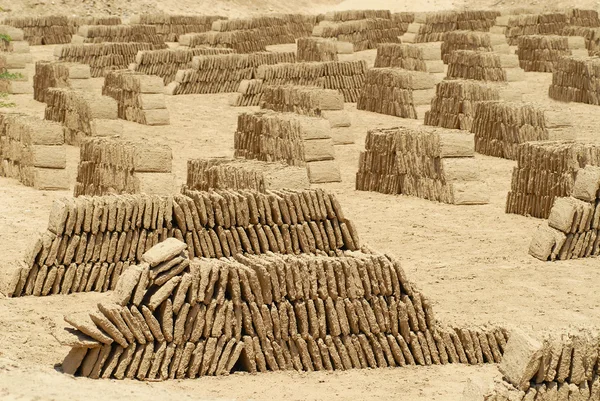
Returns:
(514, 26)
(223, 73)
(480, 66)
(590, 35)
(195, 318)
(432, 26)
(14, 56)
(356, 15)
(55, 29)
(140, 97)
(546, 170)
(454, 103)
(414, 57)
(291, 138)
(90, 241)
(500, 127)
(544, 366)
(33, 152)
(318, 49)
(572, 228)
(13, 40)
(316, 102)
(363, 34)
(114, 166)
(390, 91)
(59, 74)
(249, 41)
(589, 18)
(119, 34)
(347, 77)
(83, 114)
(576, 79)
(102, 57)
(470, 40)
(434, 164)
(541, 52)
(166, 62)
(243, 174)
(170, 26)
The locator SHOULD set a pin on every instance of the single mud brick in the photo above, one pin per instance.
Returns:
(73, 360)
(101, 360)
(521, 360)
(477, 346)
(85, 276)
(157, 360)
(112, 312)
(126, 285)
(324, 352)
(180, 294)
(367, 351)
(112, 362)
(269, 354)
(485, 347)
(365, 282)
(219, 320)
(135, 362)
(163, 372)
(564, 366)
(395, 350)
(313, 319)
(223, 362)
(84, 323)
(343, 353)
(89, 361)
(332, 318)
(467, 342)
(494, 349)
(49, 281)
(39, 280)
(577, 361)
(133, 325)
(179, 325)
(292, 323)
(56, 286)
(371, 318)
(163, 293)
(93, 277)
(145, 361)
(217, 354)
(124, 361)
(416, 350)
(335, 356)
(166, 250)
(261, 363)
(425, 348)
(363, 322)
(165, 317)
(298, 279)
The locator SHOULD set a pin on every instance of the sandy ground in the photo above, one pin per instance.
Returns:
(471, 261)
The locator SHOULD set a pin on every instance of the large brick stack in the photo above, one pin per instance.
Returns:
(389, 91)
(252, 316)
(249, 41)
(166, 62)
(434, 164)
(243, 174)
(119, 34)
(114, 166)
(470, 40)
(541, 52)
(514, 26)
(59, 74)
(477, 65)
(454, 103)
(291, 138)
(222, 73)
(432, 26)
(316, 49)
(572, 228)
(102, 57)
(140, 97)
(33, 152)
(92, 240)
(170, 26)
(82, 114)
(545, 171)
(576, 79)
(590, 35)
(414, 57)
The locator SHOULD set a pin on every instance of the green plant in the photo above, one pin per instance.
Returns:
(11, 75)
(4, 103)
(5, 37)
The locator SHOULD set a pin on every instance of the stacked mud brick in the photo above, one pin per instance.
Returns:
(119, 34)
(82, 114)
(546, 170)
(47, 30)
(347, 77)
(434, 164)
(318, 49)
(291, 138)
(431, 27)
(108, 20)
(102, 57)
(172, 317)
(530, 24)
(90, 241)
(13, 40)
(477, 65)
(390, 91)
(242, 174)
(590, 35)
(541, 52)
(414, 57)
(556, 366)
(249, 41)
(454, 103)
(364, 34)
(14, 55)
(500, 127)
(166, 62)
(33, 152)
(222, 73)
(59, 74)
(316, 102)
(589, 18)
(576, 79)
(114, 166)
(572, 228)
(469, 40)
(140, 97)
(170, 27)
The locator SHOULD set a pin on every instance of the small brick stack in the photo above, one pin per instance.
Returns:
(170, 26)
(576, 79)
(33, 152)
(541, 52)
(470, 40)
(432, 26)
(514, 26)
(119, 34)
(388, 91)
(477, 65)
(58, 74)
(140, 97)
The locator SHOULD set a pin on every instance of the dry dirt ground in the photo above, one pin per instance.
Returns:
(471, 261)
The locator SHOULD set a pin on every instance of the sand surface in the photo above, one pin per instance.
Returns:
(471, 261)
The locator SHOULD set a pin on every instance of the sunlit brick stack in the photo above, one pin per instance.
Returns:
(572, 228)
(114, 166)
(477, 65)
(58, 74)
(223, 73)
(140, 97)
(32, 151)
(434, 164)
(291, 138)
(83, 114)
(590, 35)
(432, 26)
(170, 26)
(119, 34)
(545, 171)
(389, 91)
(14, 57)
(166, 62)
(102, 57)
(514, 26)
(576, 79)
(542, 52)
(470, 40)
(316, 49)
